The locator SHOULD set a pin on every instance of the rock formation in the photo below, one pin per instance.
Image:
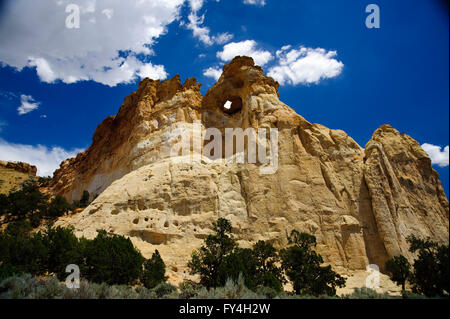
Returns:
(360, 204)
(13, 174)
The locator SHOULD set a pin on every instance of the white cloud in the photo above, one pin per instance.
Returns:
(195, 24)
(437, 156)
(223, 38)
(247, 48)
(255, 2)
(212, 72)
(305, 65)
(152, 71)
(28, 104)
(104, 49)
(46, 159)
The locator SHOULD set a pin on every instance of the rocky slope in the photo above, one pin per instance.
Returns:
(13, 174)
(359, 203)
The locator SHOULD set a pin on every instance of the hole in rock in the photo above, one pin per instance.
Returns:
(166, 224)
(232, 105)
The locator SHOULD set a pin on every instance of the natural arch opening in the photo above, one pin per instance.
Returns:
(232, 105)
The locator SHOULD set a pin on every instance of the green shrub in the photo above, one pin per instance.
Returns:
(63, 248)
(4, 204)
(23, 250)
(399, 269)
(22, 202)
(267, 257)
(18, 287)
(431, 267)
(154, 271)
(51, 288)
(8, 270)
(84, 201)
(232, 290)
(303, 267)
(366, 293)
(240, 262)
(58, 207)
(112, 259)
(44, 179)
(189, 289)
(207, 260)
(166, 290)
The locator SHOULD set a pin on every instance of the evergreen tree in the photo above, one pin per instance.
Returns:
(207, 260)
(431, 267)
(303, 267)
(58, 207)
(112, 259)
(84, 201)
(399, 269)
(154, 271)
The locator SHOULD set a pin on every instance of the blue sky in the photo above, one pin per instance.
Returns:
(361, 78)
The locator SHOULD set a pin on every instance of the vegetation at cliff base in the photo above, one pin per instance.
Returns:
(430, 275)
(154, 271)
(219, 259)
(303, 267)
(33, 261)
(28, 203)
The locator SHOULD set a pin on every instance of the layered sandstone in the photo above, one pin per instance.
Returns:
(360, 204)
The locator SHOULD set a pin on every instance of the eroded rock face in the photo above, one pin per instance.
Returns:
(20, 167)
(360, 204)
(136, 136)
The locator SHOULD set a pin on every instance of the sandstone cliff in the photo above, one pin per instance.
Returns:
(359, 203)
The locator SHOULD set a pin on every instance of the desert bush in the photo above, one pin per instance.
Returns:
(24, 201)
(112, 259)
(399, 269)
(154, 271)
(207, 260)
(366, 293)
(51, 288)
(7, 270)
(84, 292)
(268, 292)
(411, 295)
(63, 248)
(189, 289)
(431, 267)
(44, 179)
(19, 248)
(240, 262)
(84, 200)
(165, 290)
(18, 287)
(303, 267)
(232, 290)
(267, 258)
(57, 207)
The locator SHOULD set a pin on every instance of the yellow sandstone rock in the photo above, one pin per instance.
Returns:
(361, 204)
